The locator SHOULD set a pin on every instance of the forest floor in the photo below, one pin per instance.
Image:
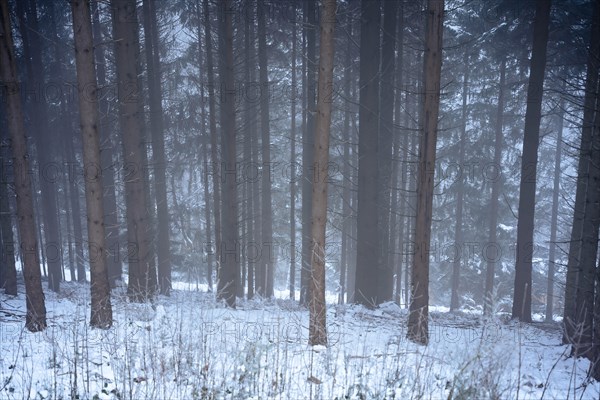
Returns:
(188, 346)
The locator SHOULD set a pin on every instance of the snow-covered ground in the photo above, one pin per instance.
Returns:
(190, 347)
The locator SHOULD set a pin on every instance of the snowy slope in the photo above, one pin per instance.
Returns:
(188, 346)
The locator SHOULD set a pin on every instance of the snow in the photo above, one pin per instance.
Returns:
(506, 228)
(189, 346)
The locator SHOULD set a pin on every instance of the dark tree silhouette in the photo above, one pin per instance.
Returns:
(418, 324)
(522, 289)
(35, 319)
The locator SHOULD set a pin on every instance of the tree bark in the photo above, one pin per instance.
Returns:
(68, 205)
(76, 208)
(317, 307)
(347, 183)
(125, 27)
(35, 319)
(592, 217)
(266, 259)
(418, 324)
(587, 274)
(63, 124)
(38, 216)
(488, 300)
(308, 150)
(163, 246)
(554, 216)
(205, 143)
(589, 253)
(254, 148)
(148, 194)
(367, 252)
(407, 189)
(460, 192)
(523, 269)
(249, 181)
(229, 272)
(410, 241)
(210, 256)
(3, 259)
(397, 216)
(107, 148)
(293, 164)
(573, 279)
(212, 115)
(8, 279)
(101, 313)
(385, 274)
(45, 146)
(353, 199)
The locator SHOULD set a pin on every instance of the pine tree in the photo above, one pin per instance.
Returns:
(125, 35)
(367, 252)
(418, 324)
(35, 319)
(266, 260)
(158, 146)
(317, 307)
(229, 271)
(522, 289)
(101, 314)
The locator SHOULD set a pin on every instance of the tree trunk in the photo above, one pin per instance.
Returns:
(587, 274)
(293, 164)
(353, 199)
(68, 206)
(488, 300)
(367, 252)
(554, 216)
(35, 319)
(398, 202)
(148, 193)
(3, 258)
(243, 225)
(397, 216)
(107, 148)
(210, 256)
(205, 143)
(229, 272)
(573, 279)
(45, 146)
(347, 185)
(126, 53)
(101, 314)
(318, 311)
(522, 290)
(595, 182)
(406, 186)
(266, 259)
(62, 124)
(163, 246)
(9, 272)
(418, 324)
(411, 203)
(249, 181)
(212, 115)
(589, 252)
(76, 208)
(460, 192)
(308, 150)
(595, 367)
(254, 147)
(38, 218)
(385, 274)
